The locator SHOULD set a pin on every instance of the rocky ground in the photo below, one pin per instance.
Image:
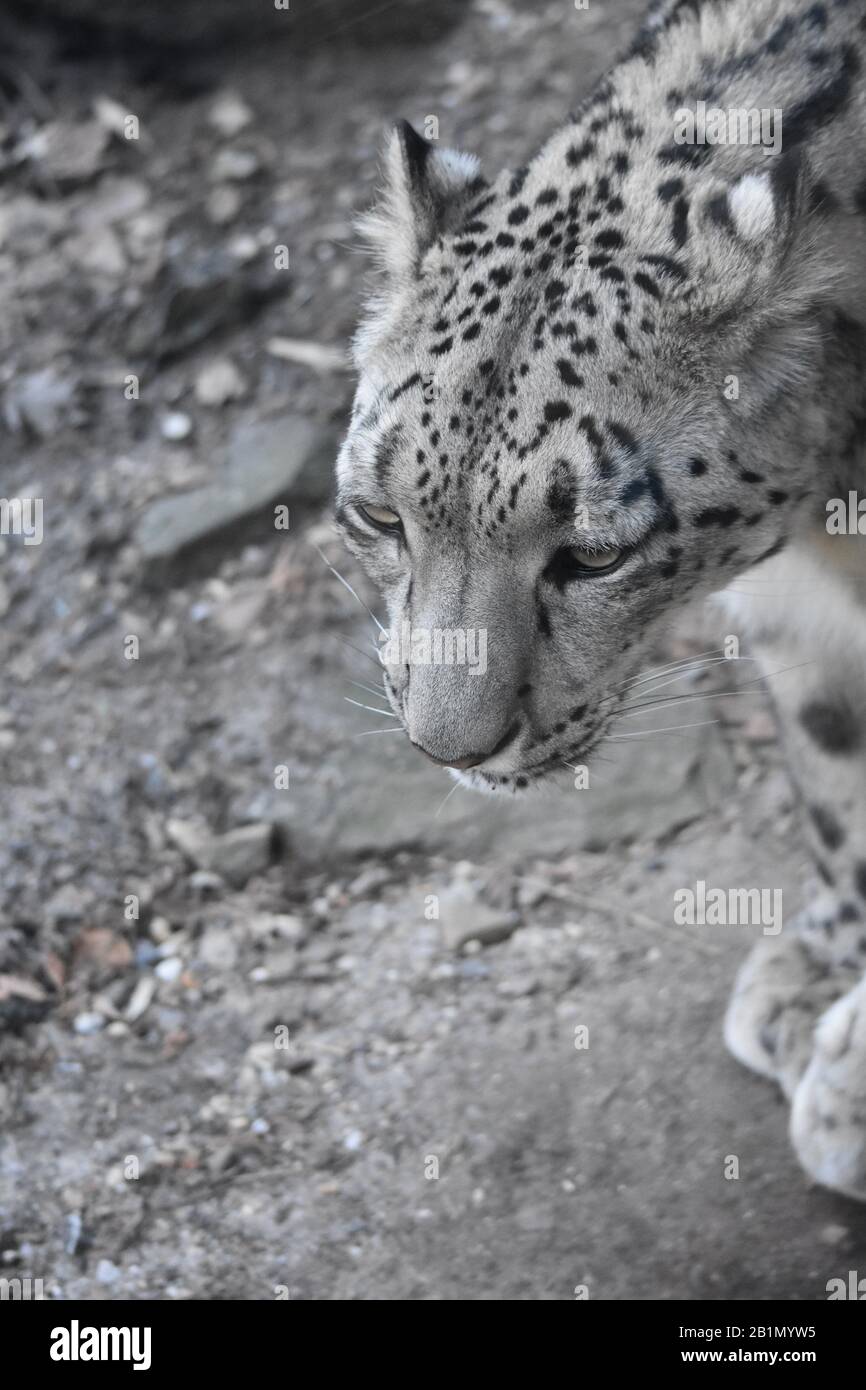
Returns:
(274, 1021)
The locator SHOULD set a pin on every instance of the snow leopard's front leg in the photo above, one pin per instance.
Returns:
(798, 1011)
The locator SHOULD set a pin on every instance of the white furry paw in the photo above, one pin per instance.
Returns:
(828, 1114)
(780, 993)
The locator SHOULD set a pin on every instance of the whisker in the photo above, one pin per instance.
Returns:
(701, 666)
(443, 803)
(370, 689)
(669, 667)
(368, 732)
(372, 708)
(365, 655)
(669, 729)
(629, 711)
(711, 694)
(346, 585)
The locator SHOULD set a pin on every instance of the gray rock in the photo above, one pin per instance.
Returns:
(114, 200)
(287, 458)
(290, 453)
(218, 948)
(69, 152)
(218, 382)
(237, 855)
(200, 290)
(38, 401)
(464, 917)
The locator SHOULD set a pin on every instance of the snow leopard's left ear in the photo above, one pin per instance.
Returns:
(426, 192)
(758, 243)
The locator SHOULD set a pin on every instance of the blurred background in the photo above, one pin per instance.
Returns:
(273, 1017)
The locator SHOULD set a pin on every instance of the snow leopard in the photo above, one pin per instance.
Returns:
(615, 378)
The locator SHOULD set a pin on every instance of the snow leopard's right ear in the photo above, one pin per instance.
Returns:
(426, 192)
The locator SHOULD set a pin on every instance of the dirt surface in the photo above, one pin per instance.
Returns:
(274, 1021)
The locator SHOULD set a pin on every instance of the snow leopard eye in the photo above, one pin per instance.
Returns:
(380, 517)
(572, 562)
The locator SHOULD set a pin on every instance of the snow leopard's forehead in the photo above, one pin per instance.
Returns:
(525, 364)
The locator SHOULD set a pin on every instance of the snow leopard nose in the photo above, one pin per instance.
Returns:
(471, 759)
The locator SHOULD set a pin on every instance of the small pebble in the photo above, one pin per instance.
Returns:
(87, 1023)
(176, 426)
(169, 969)
(107, 1273)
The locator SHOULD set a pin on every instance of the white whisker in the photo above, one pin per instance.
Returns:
(365, 655)
(368, 732)
(443, 803)
(671, 666)
(701, 666)
(372, 708)
(346, 585)
(669, 729)
(370, 689)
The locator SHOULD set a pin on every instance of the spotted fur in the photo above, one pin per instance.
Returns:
(628, 347)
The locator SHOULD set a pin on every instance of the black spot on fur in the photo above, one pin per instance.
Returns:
(667, 266)
(609, 238)
(669, 189)
(577, 153)
(410, 381)
(825, 873)
(684, 154)
(567, 374)
(831, 833)
(647, 283)
(562, 494)
(517, 181)
(814, 111)
(679, 226)
(719, 212)
(590, 429)
(623, 437)
(832, 725)
(633, 491)
(717, 516)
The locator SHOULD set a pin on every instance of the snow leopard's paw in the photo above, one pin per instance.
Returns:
(780, 993)
(828, 1113)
